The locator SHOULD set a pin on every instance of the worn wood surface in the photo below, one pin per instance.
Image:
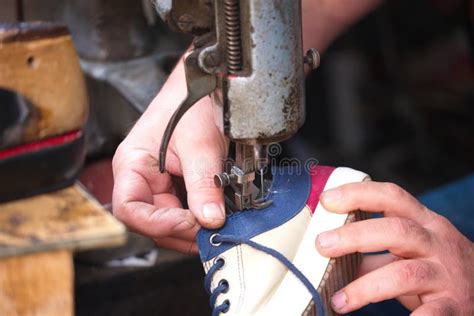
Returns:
(65, 219)
(37, 284)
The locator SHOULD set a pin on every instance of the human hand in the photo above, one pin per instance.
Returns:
(145, 199)
(430, 267)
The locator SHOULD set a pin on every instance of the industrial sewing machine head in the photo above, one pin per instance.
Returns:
(248, 55)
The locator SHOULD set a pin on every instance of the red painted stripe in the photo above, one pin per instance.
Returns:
(319, 177)
(41, 144)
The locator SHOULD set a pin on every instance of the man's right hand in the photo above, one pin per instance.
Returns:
(145, 199)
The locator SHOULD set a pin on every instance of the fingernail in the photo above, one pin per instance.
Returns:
(328, 239)
(213, 211)
(331, 196)
(184, 225)
(339, 300)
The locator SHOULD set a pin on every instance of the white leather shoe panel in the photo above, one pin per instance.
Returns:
(253, 276)
(258, 283)
(291, 297)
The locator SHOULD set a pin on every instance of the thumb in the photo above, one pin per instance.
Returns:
(199, 165)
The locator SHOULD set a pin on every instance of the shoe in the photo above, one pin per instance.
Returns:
(44, 108)
(264, 262)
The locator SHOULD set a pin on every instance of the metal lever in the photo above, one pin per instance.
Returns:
(199, 84)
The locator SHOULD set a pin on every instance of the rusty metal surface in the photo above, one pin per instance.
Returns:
(268, 105)
(263, 101)
(252, 51)
(199, 84)
(188, 16)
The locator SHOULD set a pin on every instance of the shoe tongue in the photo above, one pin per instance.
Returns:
(289, 194)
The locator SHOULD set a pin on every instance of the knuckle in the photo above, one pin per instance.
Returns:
(446, 307)
(394, 190)
(403, 226)
(441, 221)
(125, 211)
(128, 158)
(120, 212)
(205, 184)
(415, 272)
(411, 229)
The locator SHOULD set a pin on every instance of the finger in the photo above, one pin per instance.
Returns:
(188, 235)
(439, 307)
(402, 237)
(129, 161)
(372, 262)
(183, 246)
(377, 197)
(411, 302)
(133, 203)
(404, 277)
(201, 159)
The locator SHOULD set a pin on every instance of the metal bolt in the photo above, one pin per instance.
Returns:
(211, 60)
(312, 58)
(186, 23)
(222, 180)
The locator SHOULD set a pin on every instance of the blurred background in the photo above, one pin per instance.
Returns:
(393, 97)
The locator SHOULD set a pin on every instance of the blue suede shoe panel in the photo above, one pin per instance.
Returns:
(289, 194)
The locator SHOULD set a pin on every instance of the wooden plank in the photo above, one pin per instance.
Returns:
(37, 284)
(66, 219)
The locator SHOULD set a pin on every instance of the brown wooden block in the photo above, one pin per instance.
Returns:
(37, 284)
(38, 61)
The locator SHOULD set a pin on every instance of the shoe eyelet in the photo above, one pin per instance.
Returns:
(227, 302)
(226, 284)
(212, 242)
(217, 259)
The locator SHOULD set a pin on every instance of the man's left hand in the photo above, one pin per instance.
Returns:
(430, 264)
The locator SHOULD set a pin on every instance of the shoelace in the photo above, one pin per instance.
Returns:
(223, 287)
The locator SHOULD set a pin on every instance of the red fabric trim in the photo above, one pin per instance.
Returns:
(41, 144)
(319, 177)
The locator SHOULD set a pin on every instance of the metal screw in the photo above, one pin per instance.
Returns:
(211, 60)
(222, 180)
(186, 23)
(312, 58)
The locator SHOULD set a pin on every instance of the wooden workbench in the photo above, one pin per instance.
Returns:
(38, 236)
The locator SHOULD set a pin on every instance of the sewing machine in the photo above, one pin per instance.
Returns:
(248, 55)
